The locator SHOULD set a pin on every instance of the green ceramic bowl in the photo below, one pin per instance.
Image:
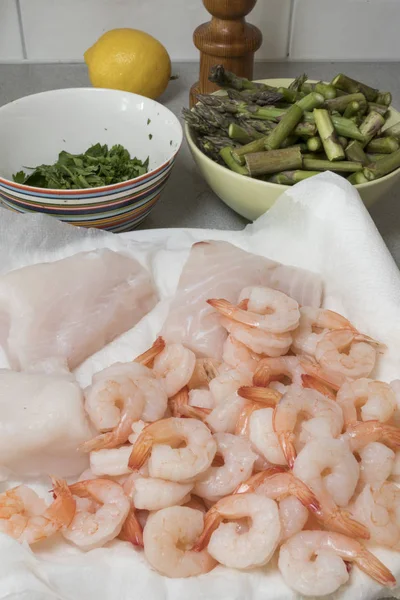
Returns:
(251, 197)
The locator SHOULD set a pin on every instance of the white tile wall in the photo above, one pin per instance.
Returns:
(61, 30)
(10, 40)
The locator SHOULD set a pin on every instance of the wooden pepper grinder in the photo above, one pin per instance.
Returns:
(228, 40)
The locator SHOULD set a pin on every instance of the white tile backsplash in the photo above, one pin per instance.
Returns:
(71, 26)
(10, 39)
(345, 29)
(61, 30)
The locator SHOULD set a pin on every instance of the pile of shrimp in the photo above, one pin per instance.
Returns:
(284, 447)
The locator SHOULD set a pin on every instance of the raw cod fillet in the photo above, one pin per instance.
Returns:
(71, 308)
(42, 422)
(222, 270)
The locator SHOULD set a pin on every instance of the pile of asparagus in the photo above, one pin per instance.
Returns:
(286, 135)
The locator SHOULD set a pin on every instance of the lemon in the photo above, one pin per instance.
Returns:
(129, 60)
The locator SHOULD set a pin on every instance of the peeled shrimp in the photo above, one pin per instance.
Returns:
(279, 369)
(267, 309)
(258, 340)
(159, 443)
(223, 418)
(366, 400)
(113, 403)
(293, 496)
(326, 418)
(169, 535)
(314, 323)
(238, 356)
(335, 488)
(263, 437)
(148, 493)
(89, 529)
(227, 383)
(112, 462)
(201, 399)
(25, 516)
(266, 399)
(238, 465)
(175, 366)
(242, 550)
(377, 462)
(313, 563)
(358, 435)
(379, 510)
(346, 355)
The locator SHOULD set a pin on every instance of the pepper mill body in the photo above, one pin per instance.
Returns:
(228, 40)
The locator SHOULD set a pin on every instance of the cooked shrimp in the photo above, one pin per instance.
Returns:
(227, 383)
(358, 435)
(147, 357)
(224, 417)
(311, 382)
(25, 517)
(379, 510)
(366, 400)
(377, 462)
(258, 340)
(293, 496)
(313, 563)
(160, 441)
(114, 402)
(263, 437)
(201, 399)
(238, 356)
(175, 366)
(205, 370)
(286, 369)
(267, 309)
(298, 402)
(92, 530)
(132, 530)
(346, 354)
(148, 493)
(180, 407)
(242, 550)
(169, 535)
(330, 470)
(314, 323)
(111, 462)
(238, 460)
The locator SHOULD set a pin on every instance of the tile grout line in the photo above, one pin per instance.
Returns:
(290, 28)
(21, 30)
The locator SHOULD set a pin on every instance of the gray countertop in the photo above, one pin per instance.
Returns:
(187, 200)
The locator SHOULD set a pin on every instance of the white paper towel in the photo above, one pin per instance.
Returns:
(319, 224)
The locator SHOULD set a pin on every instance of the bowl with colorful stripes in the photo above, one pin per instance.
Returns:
(36, 128)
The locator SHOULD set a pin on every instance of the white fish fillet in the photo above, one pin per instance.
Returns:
(42, 422)
(71, 308)
(221, 270)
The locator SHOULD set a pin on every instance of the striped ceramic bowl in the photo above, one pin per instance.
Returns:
(34, 129)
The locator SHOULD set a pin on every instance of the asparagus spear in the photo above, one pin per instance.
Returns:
(212, 145)
(343, 141)
(354, 152)
(344, 166)
(384, 145)
(382, 167)
(289, 95)
(241, 135)
(351, 109)
(292, 177)
(297, 84)
(370, 126)
(259, 97)
(326, 89)
(379, 108)
(254, 146)
(342, 102)
(284, 127)
(384, 98)
(352, 86)
(344, 127)
(226, 155)
(357, 178)
(375, 157)
(304, 129)
(393, 131)
(326, 130)
(262, 163)
(227, 79)
(308, 87)
(314, 144)
(311, 101)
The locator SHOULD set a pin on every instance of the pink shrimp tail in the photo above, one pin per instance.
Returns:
(63, 509)
(256, 480)
(304, 494)
(340, 520)
(146, 358)
(288, 449)
(132, 530)
(141, 450)
(211, 522)
(265, 396)
(180, 407)
(311, 382)
(224, 307)
(373, 567)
